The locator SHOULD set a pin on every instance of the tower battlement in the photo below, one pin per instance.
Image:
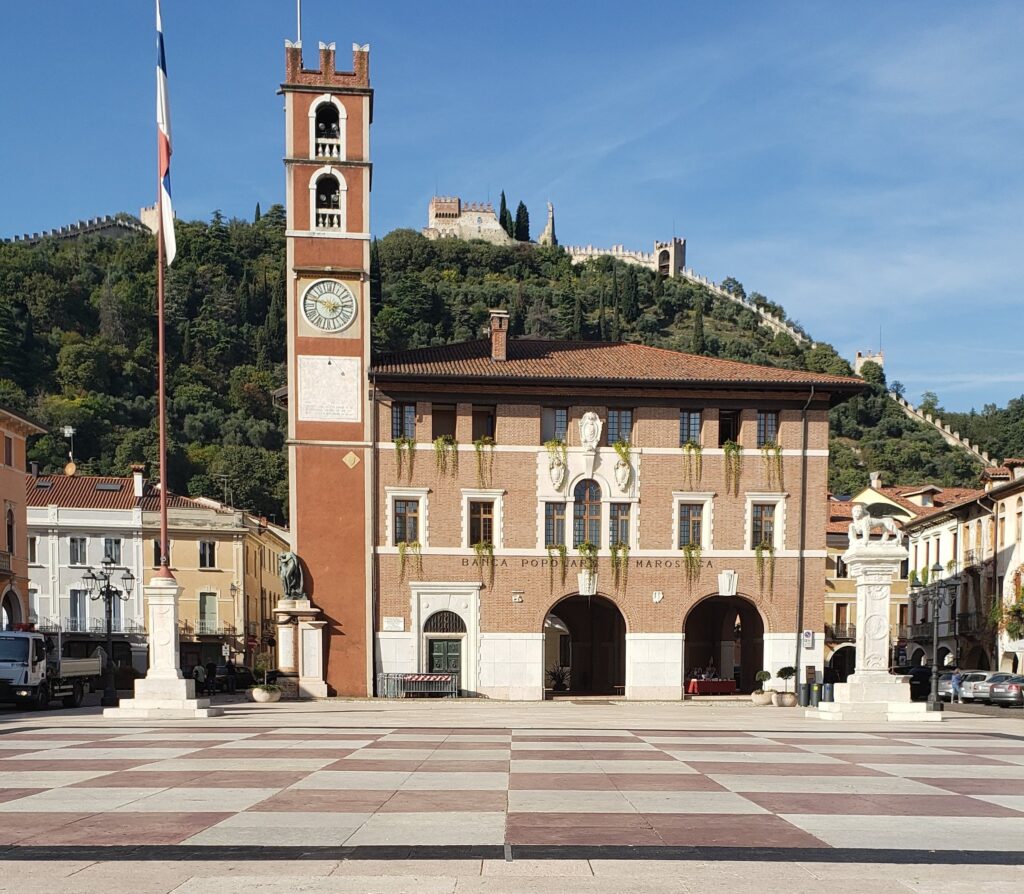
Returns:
(327, 74)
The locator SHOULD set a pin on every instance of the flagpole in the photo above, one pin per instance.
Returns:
(161, 389)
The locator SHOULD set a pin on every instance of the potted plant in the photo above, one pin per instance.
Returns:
(785, 699)
(761, 696)
(558, 676)
(264, 692)
(586, 580)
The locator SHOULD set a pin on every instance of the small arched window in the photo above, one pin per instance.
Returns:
(10, 531)
(444, 622)
(328, 203)
(587, 513)
(1020, 518)
(663, 263)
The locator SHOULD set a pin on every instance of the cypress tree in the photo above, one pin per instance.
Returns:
(577, 317)
(508, 224)
(616, 322)
(630, 296)
(658, 287)
(376, 291)
(503, 212)
(602, 332)
(697, 343)
(256, 216)
(522, 226)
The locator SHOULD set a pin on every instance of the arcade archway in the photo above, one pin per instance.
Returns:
(726, 633)
(10, 611)
(588, 634)
(843, 662)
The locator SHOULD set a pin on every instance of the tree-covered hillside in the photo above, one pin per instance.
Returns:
(77, 345)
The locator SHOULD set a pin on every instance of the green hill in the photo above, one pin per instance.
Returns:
(77, 345)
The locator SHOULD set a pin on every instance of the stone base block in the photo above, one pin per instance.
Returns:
(167, 698)
(875, 712)
(312, 688)
(157, 711)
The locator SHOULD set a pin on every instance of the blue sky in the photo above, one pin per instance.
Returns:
(860, 162)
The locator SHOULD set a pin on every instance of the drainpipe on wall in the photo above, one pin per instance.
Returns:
(800, 576)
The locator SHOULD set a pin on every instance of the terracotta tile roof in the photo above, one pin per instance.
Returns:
(592, 361)
(97, 492)
(840, 514)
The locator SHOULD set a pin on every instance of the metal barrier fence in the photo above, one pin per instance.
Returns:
(403, 685)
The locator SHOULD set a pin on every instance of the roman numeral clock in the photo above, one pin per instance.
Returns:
(329, 305)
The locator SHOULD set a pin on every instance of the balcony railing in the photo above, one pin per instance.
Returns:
(970, 623)
(327, 219)
(900, 631)
(840, 633)
(327, 147)
(5, 562)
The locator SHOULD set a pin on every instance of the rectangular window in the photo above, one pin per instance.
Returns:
(33, 548)
(77, 550)
(207, 613)
(407, 521)
(442, 420)
(842, 614)
(8, 451)
(901, 615)
(767, 427)
(618, 524)
(554, 423)
(554, 524)
(689, 427)
(841, 571)
(77, 622)
(620, 426)
(207, 554)
(112, 549)
(483, 422)
(763, 525)
(156, 552)
(690, 519)
(728, 426)
(481, 522)
(403, 421)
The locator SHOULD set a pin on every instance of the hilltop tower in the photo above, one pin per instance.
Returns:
(327, 169)
(670, 257)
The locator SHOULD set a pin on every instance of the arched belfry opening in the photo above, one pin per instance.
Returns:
(664, 263)
(328, 203)
(327, 131)
(587, 635)
(725, 634)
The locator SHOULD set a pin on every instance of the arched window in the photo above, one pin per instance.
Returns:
(327, 119)
(587, 513)
(327, 198)
(10, 531)
(1020, 518)
(444, 622)
(663, 263)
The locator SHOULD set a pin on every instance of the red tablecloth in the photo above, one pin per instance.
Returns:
(711, 687)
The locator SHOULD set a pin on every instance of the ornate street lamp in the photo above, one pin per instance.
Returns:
(941, 591)
(99, 587)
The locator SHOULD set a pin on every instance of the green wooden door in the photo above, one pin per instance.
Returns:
(445, 656)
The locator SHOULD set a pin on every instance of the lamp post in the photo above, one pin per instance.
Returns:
(942, 591)
(99, 587)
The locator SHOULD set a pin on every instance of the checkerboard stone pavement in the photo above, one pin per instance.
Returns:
(701, 799)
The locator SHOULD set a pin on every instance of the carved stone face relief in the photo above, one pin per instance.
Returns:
(590, 430)
(623, 474)
(556, 470)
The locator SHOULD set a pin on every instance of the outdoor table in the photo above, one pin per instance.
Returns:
(711, 687)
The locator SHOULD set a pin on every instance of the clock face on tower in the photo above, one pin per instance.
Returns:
(329, 305)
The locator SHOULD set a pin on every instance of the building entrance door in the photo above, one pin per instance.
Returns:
(445, 656)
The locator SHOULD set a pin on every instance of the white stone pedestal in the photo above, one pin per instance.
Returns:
(163, 694)
(300, 649)
(872, 694)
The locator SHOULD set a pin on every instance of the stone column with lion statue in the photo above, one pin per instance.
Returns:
(872, 693)
(300, 636)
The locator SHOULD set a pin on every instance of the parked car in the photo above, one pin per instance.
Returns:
(243, 678)
(981, 688)
(946, 686)
(1008, 694)
(920, 679)
(971, 679)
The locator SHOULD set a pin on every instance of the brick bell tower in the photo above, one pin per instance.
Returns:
(327, 167)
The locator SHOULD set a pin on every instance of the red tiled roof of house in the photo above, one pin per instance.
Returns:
(840, 514)
(97, 492)
(592, 361)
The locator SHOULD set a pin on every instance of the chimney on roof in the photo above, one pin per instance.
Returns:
(499, 334)
(876, 480)
(35, 469)
(139, 479)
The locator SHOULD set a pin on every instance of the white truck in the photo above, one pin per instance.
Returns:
(33, 673)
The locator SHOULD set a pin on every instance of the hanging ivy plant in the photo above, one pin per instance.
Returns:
(406, 549)
(405, 453)
(693, 464)
(623, 452)
(446, 455)
(692, 565)
(764, 559)
(771, 453)
(588, 556)
(484, 448)
(485, 557)
(557, 451)
(556, 556)
(620, 565)
(733, 456)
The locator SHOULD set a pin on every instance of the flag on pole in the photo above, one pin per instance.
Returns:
(163, 123)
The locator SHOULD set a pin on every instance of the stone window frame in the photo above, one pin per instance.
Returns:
(779, 532)
(483, 495)
(406, 493)
(707, 521)
(338, 175)
(342, 125)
